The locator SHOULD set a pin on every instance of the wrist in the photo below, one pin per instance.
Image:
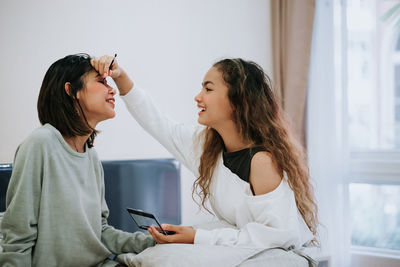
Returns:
(126, 90)
(123, 82)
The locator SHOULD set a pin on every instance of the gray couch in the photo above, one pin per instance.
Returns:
(150, 185)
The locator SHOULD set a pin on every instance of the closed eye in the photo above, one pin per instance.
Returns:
(103, 81)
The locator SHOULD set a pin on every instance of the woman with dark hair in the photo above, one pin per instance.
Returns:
(248, 166)
(56, 213)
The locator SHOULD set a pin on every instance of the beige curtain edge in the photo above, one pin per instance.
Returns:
(292, 26)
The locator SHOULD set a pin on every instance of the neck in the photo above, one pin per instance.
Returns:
(232, 140)
(77, 143)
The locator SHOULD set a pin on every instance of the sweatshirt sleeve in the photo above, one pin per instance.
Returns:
(19, 224)
(266, 221)
(180, 140)
(118, 241)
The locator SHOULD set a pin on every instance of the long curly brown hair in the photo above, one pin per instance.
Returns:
(260, 121)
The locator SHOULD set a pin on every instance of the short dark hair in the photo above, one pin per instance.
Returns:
(58, 108)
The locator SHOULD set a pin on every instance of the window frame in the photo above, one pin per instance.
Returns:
(370, 166)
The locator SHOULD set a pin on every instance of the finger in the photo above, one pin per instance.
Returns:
(95, 64)
(105, 66)
(102, 66)
(150, 230)
(98, 65)
(171, 227)
(109, 65)
(163, 238)
(154, 236)
(114, 73)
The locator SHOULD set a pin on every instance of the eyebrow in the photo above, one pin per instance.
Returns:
(207, 82)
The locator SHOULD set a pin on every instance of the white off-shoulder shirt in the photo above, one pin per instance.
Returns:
(263, 221)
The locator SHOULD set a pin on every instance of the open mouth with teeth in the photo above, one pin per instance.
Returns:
(111, 101)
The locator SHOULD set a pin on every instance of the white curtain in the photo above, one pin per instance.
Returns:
(325, 137)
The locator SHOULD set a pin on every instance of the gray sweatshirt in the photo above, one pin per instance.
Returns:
(56, 212)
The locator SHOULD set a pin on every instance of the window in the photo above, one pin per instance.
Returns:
(373, 124)
(396, 83)
(375, 215)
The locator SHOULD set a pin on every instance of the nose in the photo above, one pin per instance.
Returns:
(197, 97)
(111, 90)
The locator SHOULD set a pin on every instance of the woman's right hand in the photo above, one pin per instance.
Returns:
(102, 64)
(121, 79)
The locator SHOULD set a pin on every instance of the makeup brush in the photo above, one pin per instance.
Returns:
(112, 62)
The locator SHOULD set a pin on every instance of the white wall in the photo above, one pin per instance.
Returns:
(167, 47)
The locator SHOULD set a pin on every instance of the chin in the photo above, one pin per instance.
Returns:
(109, 116)
(202, 122)
(112, 114)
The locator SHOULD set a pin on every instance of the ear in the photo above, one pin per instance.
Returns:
(67, 87)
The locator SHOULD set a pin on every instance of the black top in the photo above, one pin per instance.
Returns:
(239, 161)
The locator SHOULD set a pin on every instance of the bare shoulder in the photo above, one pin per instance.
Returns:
(264, 176)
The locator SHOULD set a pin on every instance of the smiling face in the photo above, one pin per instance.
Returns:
(215, 108)
(96, 99)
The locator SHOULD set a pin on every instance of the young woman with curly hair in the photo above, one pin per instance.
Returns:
(247, 164)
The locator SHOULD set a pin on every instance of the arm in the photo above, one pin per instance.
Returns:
(268, 219)
(269, 229)
(180, 140)
(275, 222)
(264, 176)
(121, 79)
(19, 224)
(118, 241)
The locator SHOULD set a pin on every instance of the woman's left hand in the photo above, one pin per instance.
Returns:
(183, 234)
